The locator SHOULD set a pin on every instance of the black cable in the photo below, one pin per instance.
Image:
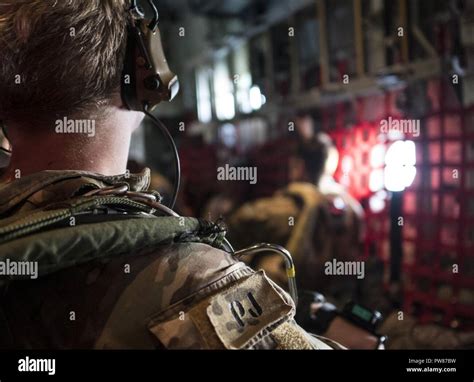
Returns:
(169, 138)
(156, 16)
(177, 180)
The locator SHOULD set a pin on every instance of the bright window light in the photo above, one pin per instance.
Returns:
(223, 90)
(377, 156)
(257, 99)
(243, 93)
(203, 89)
(242, 77)
(376, 180)
(400, 170)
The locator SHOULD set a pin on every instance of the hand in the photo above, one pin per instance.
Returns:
(348, 334)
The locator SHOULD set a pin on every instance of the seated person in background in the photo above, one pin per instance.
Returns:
(313, 217)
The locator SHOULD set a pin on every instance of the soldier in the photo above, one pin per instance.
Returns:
(314, 217)
(111, 273)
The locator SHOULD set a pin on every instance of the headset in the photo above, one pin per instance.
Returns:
(146, 78)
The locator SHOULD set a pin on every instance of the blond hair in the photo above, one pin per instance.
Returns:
(59, 56)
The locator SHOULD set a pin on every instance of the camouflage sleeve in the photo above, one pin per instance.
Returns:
(196, 297)
(249, 313)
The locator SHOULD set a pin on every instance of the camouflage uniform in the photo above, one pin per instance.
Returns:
(174, 295)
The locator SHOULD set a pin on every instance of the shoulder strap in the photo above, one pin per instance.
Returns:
(62, 238)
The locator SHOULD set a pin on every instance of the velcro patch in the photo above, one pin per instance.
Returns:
(247, 311)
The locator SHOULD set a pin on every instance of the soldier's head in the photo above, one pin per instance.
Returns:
(61, 61)
(313, 158)
(304, 126)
